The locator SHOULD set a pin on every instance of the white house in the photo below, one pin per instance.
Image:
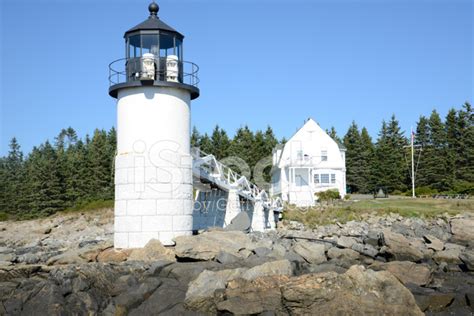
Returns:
(311, 161)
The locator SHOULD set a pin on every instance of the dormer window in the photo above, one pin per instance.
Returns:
(324, 155)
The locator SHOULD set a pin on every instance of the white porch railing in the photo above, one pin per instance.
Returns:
(206, 166)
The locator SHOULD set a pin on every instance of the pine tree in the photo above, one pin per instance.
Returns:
(205, 144)
(14, 178)
(195, 137)
(367, 162)
(220, 143)
(111, 153)
(45, 190)
(390, 170)
(452, 145)
(465, 163)
(422, 140)
(333, 134)
(270, 141)
(435, 154)
(354, 173)
(242, 145)
(99, 164)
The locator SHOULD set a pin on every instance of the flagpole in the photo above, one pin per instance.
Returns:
(412, 164)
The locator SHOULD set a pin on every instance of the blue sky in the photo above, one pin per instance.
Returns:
(262, 62)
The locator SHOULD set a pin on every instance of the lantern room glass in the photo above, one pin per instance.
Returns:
(160, 44)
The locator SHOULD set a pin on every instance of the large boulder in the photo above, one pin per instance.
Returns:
(280, 267)
(209, 244)
(450, 254)
(243, 297)
(111, 255)
(310, 251)
(400, 248)
(462, 230)
(153, 251)
(200, 294)
(433, 243)
(343, 254)
(356, 292)
(407, 272)
(467, 257)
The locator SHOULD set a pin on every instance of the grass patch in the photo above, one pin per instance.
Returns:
(3, 216)
(359, 210)
(90, 206)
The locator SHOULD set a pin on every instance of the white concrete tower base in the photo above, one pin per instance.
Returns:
(153, 176)
(258, 218)
(233, 206)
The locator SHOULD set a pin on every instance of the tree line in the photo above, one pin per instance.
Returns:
(444, 155)
(70, 171)
(59, 175)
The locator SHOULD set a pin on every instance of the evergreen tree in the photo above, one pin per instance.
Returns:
(14, 178)
(354, 163)
(422, 139)
(435, 154)
(270, 141)
(99, 164)
(195, 137)
(333, 134)
(367, 162)
(390, 170)
(220, 143)
(111, 153)
(452, 145)
(242, 145)
(465, 162)
(205, 144)
(44, 187)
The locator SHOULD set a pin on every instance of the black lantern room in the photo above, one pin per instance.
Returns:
(153, 56)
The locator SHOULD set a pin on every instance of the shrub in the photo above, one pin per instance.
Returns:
(3, 216)
(425, 191)
(328, 195)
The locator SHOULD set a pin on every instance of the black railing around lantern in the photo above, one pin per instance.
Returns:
(128, 70)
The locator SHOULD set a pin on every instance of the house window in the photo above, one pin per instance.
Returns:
(316, 178)
(299, 155)
(324, 155)
(333, 178)
(325, 178)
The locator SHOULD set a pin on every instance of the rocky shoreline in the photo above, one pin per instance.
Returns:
(382, 265)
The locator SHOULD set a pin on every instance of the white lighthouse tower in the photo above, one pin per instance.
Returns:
(154, 87)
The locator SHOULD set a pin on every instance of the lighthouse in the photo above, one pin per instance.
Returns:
(154, 87)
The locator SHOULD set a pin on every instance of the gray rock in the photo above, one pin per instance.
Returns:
(226, 258)
(373, 238)
(209, 244)
(467, 257)
(241, 222)
(433, 243)
(343, 254)
(366, 250)
(400, 247)
(407, 272)
(200, 293)
(134, 296)
(7, 257)
(311, 252)
(450, 256)
(356, 292)
(346, 242)
(280, 267)
(29, 258)
(462, 230)
(262, 251)
(166, 300)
